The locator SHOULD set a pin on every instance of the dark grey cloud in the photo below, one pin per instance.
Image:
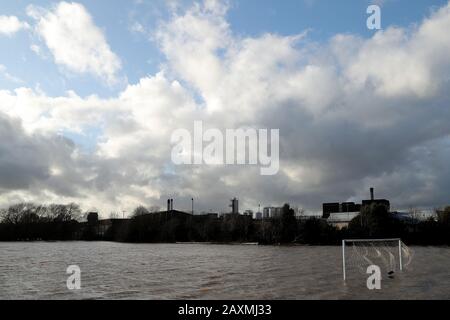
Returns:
(353, 113)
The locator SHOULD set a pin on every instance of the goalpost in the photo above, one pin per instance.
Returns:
(388, 254)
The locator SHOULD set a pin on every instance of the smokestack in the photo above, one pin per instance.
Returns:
(168, 205)
(171, 204)
(371, 194)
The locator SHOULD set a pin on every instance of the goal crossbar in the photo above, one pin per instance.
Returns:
(371, 240)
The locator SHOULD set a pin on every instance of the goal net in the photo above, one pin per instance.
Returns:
(390, 255)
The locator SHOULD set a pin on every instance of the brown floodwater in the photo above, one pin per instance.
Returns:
(206, 271)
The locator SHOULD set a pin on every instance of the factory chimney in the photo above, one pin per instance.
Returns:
(168, 205)
(171, 204)
(372, 197)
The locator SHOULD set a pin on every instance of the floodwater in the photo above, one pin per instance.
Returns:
(205, 271)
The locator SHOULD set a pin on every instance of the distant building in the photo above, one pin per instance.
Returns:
(405, 217)
(415, 217)
(234, 206)
(336, 207)
(305, 217)
(384, 202)
(104, 229)
(258, 215)
(329, 208)
(104, 226)
(340, 214)
(341, 220)
(213, 215)
(372, 200)
(248, 213)
(266, 213)
(272, 212)
(298, 212)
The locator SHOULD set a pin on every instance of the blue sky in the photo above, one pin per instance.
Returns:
(115, 79)
(140, 56)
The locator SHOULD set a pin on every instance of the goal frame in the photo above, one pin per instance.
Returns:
(398, 240)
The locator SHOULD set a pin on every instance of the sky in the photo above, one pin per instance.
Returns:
(91, 91)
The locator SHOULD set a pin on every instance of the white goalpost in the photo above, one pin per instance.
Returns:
(388, 254)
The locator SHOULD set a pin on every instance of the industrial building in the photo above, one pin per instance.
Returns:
(272, 212)
(234, 206)
(340, 214)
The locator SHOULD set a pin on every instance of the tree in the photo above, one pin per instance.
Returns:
(317, 231)
(140, 211)
(114, 215)
(415, 213)
(20, 213)
(64, 213)
(374, 221)
(288, 225)
(444, 216)
(3, 213)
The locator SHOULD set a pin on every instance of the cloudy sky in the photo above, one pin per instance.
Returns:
(91, 91)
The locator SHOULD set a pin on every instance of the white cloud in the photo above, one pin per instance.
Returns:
(10, 25)
(137, 28)
(74, 40)
(352, 113)
(401, 62)
(36, 49)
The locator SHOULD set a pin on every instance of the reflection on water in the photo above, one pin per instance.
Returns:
(196, 271)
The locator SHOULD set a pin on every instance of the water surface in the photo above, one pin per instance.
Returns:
(204, 271)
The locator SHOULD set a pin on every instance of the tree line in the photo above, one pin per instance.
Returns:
(30, 222)
(27, 221)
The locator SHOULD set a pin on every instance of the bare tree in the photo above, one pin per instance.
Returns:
(444, 215)
(140, 211)
(3, 213)
(416, 213)
(114, 215)
(64, 213)
(15, 214)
